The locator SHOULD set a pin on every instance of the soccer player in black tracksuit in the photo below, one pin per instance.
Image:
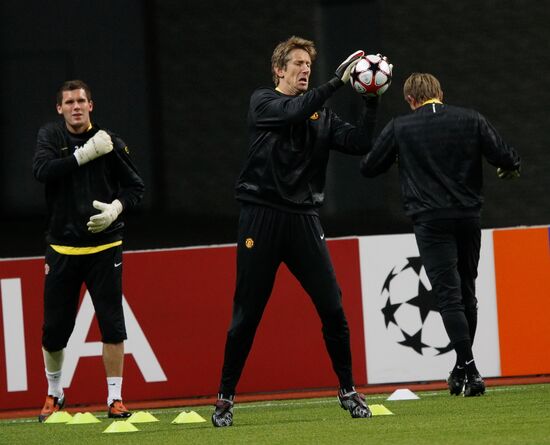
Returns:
(280, 190)
(439, 150)
(89, 180)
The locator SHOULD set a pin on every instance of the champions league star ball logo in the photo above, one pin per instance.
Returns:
(410, 312)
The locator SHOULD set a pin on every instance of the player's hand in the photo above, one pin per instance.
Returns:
(508, 174)
(98, 145)
(343, 71)
(387, 61)
(109, 212)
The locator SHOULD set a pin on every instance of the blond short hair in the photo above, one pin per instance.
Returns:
(281, 53)
(422, 87)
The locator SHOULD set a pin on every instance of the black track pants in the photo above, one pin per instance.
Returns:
(449, 249)
(266, 238)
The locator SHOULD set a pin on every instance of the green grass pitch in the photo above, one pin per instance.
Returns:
(504, 415)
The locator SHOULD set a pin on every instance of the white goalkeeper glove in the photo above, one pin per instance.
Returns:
(109, 212)
(343, 72)
(98, 145)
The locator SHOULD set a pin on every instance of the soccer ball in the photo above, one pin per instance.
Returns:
(410, 310)
(371, 75)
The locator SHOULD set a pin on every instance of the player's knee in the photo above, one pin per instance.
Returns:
(113, 334)
(471, 307)
(242, 328)
(450, 303)
(334, 321)
(112, 326)
(52, 341)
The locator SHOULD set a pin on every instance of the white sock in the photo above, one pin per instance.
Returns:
(114, 386)
(53, 362)
(54, 384)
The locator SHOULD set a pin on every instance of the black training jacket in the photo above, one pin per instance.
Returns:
(70, 189)
(439, 150)
(289, 145)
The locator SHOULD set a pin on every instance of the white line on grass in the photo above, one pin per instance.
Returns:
(300, 402)
(369, 398)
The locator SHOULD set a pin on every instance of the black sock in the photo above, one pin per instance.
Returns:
(464, 353)
(459, 370)
(465, 357)
(471, 369)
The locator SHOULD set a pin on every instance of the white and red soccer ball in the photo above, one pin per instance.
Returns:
(371, 75)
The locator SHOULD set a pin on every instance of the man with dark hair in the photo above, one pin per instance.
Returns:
(89, 180)
(281, 188)
(439, 150)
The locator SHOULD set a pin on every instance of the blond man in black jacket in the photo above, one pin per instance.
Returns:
(439, 150)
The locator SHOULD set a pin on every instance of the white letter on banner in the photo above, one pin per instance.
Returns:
(136, 344)
(14, 334)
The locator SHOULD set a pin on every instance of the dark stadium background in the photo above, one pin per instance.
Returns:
(173, 78)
